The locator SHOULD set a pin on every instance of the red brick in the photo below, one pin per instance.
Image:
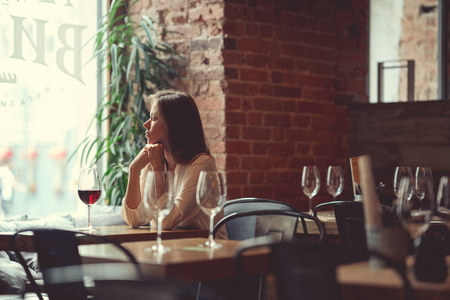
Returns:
(285, 149)
(256, 60)
(254, 119)
(233, 132)
(265, 16)
(233, 28)
(279, 162)
(301, 121)
(266, 31)
(256, 163)
(257, 177)
(233, 162)
(253, 45)
(288, 92)
(265, 104)
(299, 135)
(310, 107)
(251, 29)
(238, 147)
(259, 148)
(278, 120)
(241, 88)
(254, 133)
(236, 118)
(237, 177)
(233, 102)
(278, 134)
(266, 89)
(254, 75)
(233, 58)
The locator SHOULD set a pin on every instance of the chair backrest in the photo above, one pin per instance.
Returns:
(250, 224)
(304, 270)
(243, 228)
(57, 248)
(349, 220)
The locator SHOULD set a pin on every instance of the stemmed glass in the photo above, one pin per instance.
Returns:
(159, 200)
(310, 183)
(89, 191)
(443, 199)
(335, 181)
(211, 196)
(400, 173)
(424, 184)
(411, 219)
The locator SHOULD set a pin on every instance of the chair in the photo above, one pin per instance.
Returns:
(304, 270)
(275, 224)
(350, 223)
(250, 224)
(249, 205)
(58, 249)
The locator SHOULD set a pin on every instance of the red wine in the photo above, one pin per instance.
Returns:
(89, 196)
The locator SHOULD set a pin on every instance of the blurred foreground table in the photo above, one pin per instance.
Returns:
(120, 233)
(358, 281)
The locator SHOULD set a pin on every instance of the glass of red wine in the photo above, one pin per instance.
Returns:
(89, 191)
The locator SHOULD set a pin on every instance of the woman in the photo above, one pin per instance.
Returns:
(175, 141)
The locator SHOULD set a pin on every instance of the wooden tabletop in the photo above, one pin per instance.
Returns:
(185, 260)
(359, 281)
(120, 233)
(329, 221)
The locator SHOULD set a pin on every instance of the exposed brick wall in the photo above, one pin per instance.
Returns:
(267, 75)
(286, 64)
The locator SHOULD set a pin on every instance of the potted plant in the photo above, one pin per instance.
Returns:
(137, 64)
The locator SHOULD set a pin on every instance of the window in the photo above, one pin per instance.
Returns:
(404, 30)
(48, 94)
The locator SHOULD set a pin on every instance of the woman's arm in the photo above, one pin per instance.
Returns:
(133, 211)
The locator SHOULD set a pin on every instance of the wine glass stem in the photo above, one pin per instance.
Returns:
(89, 216)
(211, 228)
(158, 238)
(310, 206)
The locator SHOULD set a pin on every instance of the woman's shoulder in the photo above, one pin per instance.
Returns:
(203, 161)
(203, 158)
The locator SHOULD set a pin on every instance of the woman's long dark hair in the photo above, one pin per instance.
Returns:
(184, 125)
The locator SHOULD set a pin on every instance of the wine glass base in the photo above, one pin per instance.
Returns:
(211, 245)
(158, 249)
(89, 228)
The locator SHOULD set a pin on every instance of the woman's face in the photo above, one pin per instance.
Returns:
(156, 132)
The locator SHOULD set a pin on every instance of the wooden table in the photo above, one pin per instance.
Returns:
(358, 281)
(185, 260)
(329, 221)
(121, 234)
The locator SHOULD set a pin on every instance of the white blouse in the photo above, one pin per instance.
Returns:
(185, 213)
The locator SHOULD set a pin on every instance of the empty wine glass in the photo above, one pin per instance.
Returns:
(89, 191)
(443, 199)
(310, 183)
(411, 219)
(400, 173)
(211, 196)
(424, 186)
(335, 181)
(159, 201)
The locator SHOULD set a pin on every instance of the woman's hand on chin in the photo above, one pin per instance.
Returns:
(155, 153)
(140, 161)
